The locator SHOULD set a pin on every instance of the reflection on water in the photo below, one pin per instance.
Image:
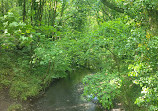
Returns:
(65, 95)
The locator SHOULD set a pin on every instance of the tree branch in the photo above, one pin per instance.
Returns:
(112, 6)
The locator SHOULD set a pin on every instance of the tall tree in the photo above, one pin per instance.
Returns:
(138, 10)
(24, 10)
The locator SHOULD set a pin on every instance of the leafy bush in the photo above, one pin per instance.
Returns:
(104, 86)
(123, 44)
(15, 107)
(16, 34)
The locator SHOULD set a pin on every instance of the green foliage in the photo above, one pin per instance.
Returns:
(104, 86)
(15, 107)
(16, 34)
(128, 44)
(21, 87)
(52, 39)
(14, 77)
(57, 59)
(148, 82)
(144, 73)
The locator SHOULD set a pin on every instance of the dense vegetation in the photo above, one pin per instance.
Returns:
(41, 40)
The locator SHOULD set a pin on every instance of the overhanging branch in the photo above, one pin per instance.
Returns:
(112, 6)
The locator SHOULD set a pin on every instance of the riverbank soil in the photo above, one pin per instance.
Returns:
(5, 101)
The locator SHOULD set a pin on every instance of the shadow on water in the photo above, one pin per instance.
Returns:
(65, 95)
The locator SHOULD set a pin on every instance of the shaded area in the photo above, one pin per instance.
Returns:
(4, 101)
(65, 95)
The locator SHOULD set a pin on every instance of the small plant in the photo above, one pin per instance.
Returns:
(15, 107)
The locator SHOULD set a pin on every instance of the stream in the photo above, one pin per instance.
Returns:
(65, 95)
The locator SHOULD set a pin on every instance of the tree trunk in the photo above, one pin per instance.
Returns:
(24, 10)
(112, 6)
(40, 11)
(2, 7)
(62, 11)
(33, 8)
(54, 13)
(54, 17)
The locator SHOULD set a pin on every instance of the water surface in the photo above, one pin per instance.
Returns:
(66, 95)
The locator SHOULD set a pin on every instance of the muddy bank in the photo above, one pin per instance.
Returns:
(9, 104)
(5, 100)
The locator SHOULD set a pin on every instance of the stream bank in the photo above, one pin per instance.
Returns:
(64, 94)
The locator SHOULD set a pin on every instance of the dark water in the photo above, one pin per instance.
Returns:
(65, 95)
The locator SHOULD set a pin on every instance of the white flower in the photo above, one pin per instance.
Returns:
(6, 31)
